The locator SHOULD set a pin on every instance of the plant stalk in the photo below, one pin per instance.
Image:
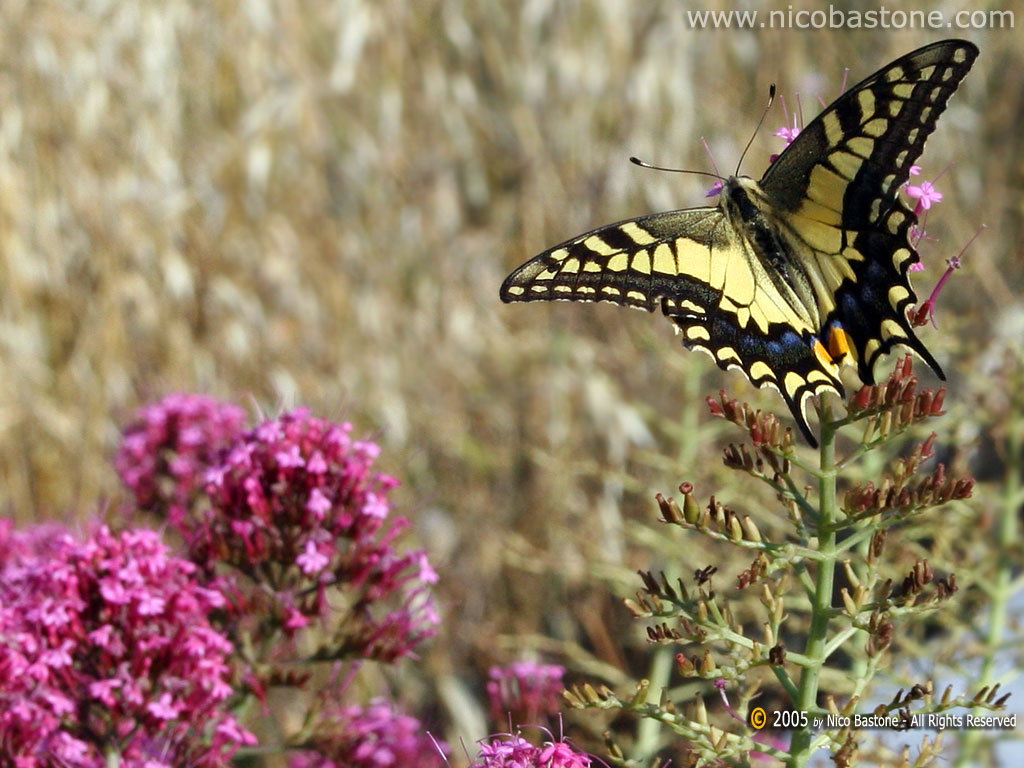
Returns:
(821, 600)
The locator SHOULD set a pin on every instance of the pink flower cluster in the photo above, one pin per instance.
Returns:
(377, 736)
(296, 507)
(165, 452)
(525, 691)
(296, 511)
(513, 751)
(113, 651)
(106, 649)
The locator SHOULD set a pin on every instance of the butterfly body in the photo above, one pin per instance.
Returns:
(789, 277)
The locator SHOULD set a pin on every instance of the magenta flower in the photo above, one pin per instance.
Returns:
(926, 311)
(561, 754)
(165, 452)
(297, 511)
(106, 646)
(788, 133)
(925, 193)
(513, 751)
(377, 736)
(525, 690)
(37, 541)
(312, 561)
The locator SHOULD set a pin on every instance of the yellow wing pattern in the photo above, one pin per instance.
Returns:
(835, 191)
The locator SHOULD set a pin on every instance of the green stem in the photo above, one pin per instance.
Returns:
(689, 419)
(972, 742)
(648, 730)
(821, 601)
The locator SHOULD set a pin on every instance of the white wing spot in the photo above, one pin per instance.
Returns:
(599, 246)
(639, 235)
(665, 259)
(698, 332)
(897, 294)
(617, 263)
(894, 222)
(875, 127)
(760, 370)
(793, 382)
(900, 256)
(866, 101)
(891, 330)
(861, 146)
(728, 353)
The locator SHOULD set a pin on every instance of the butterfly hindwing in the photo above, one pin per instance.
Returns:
(703, 277)
(790, 276)
(793, 363)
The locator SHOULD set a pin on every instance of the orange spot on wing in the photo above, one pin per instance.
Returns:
(823, 356)
(838, 343)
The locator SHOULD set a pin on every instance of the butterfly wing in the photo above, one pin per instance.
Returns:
(835, 192)
(700, 272)
(826, 210)
(662, 259)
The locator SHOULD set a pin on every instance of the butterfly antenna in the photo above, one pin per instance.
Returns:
(771, 100)
(642, 164)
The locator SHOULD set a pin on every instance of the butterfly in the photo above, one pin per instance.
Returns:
(790, 277)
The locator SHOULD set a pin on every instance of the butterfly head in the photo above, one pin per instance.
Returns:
(742, 200)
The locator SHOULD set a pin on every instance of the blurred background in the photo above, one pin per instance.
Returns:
(314, 203)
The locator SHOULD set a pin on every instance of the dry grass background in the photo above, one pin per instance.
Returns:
(314, 203)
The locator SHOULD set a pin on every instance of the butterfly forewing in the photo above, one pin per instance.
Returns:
(664, 259)
(808, 266)
(836, 188)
